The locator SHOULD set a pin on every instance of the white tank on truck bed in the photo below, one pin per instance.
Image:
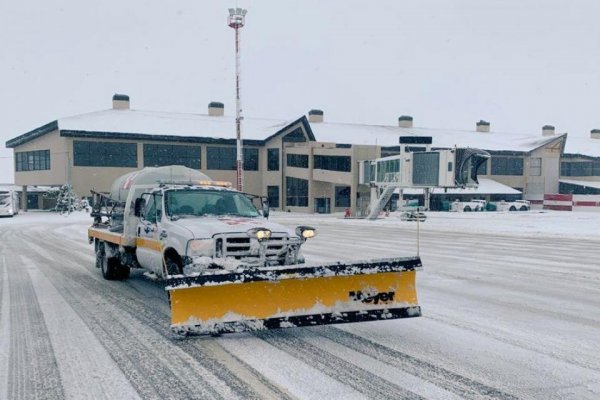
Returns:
(151, 175)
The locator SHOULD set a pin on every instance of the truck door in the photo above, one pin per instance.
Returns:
(148, 243)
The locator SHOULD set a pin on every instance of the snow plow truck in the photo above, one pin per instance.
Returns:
(227, 267)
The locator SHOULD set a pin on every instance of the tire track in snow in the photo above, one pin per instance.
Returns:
(33, 371)
(448, 380)
(4, 328)
(150, 364)
(78, 352)
(154, 313)
(349, 374)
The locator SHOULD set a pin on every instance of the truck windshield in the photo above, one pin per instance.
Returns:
(186, 203)
(4, 198)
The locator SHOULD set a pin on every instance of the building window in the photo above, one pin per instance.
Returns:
(250, 159)
(222, 158)
(38, 160)
(333, 163)
(272, 159)
(295, 136)
(507, 166)
(297, 160)
(342, 196)
(580, 168)
(158, 155)
(296, 192)
(535, 166)
(104, 154)
(273, 195)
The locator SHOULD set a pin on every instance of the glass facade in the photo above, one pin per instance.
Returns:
(250, 158)
(273, 195)
(387, 167)
(342, 196)
(272, 159)
(158, 155)
(296, 192)
(297, 160)
(104, 154)
(221, 158)
(507, 166)
(333, 163)
(32, 160)
(580, 168)
(482, 168)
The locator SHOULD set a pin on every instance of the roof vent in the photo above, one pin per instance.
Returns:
(405, 121)
(120, 102)
(483, 126)
(315, 115)
(595, 134)
(216, 109)
(547, 130)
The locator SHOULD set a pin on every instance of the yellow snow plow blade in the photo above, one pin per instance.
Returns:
(279, 297)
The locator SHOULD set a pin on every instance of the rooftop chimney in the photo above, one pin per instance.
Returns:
(405, 121)
(315, 115)
(216, 109)
(120, 102)
(547, 130)
(483, 126)
(595, 134)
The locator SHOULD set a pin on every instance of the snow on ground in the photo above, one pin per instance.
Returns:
(510, 310)
(535, 223)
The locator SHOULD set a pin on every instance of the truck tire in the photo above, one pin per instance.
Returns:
(111, 267)
(523, 208)
(512, 208)
(467, 209)
(172, 266)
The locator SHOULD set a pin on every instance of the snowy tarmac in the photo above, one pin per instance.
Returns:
(511, 309)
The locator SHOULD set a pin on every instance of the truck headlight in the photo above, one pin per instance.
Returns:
(260, 234)
(306, 232)
(200, 248)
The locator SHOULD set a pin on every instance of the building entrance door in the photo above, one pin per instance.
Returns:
(323, 205)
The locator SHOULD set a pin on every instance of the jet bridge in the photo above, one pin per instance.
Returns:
(423, 168)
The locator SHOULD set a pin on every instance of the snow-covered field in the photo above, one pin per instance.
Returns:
(511, 305)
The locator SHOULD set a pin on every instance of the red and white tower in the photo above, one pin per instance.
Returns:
(236, 20)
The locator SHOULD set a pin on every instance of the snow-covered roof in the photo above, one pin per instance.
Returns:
(486, 186)
(30, 189)
(583, 145)
(389, 136)
(590, 184)
(169, 123)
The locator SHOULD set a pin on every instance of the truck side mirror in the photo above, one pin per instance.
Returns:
(140, 205)
(265, 207)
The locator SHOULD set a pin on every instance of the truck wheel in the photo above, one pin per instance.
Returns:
(467, 209)
(110, 268)
(122, 271)
(512, 208)
(523, 208)
(172, 266)
(99, 254)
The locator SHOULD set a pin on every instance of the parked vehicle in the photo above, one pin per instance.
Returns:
(9, 203)
(517, 205)
(413, 215)
(468, 206)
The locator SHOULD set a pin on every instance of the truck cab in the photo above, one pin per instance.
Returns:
(189, 228)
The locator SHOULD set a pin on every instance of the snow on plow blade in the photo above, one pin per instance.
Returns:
(297, 295)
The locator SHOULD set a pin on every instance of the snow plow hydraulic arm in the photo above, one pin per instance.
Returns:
(296, 295)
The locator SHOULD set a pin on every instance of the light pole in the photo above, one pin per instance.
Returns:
(236, 20)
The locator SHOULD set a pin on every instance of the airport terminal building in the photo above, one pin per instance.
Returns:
(304, 164)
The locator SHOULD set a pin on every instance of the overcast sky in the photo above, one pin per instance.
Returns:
(518, 64)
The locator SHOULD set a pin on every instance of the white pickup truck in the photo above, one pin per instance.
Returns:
(517, 205)
(467, 206)
(176, 228)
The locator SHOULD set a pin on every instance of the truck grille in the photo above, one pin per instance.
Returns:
(240, 245)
